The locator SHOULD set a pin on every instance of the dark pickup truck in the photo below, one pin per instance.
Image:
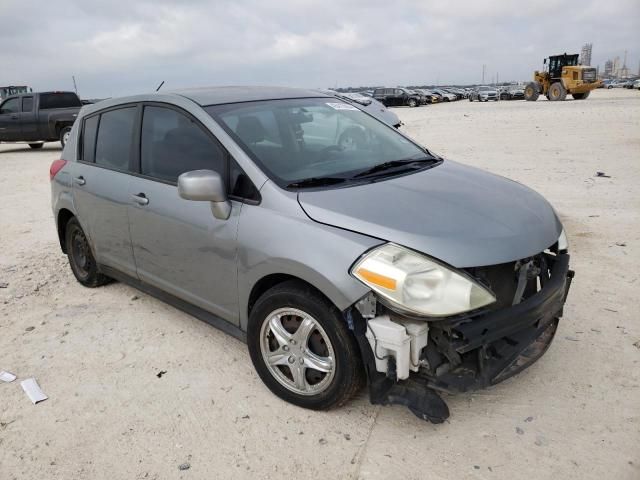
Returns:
(36, 118)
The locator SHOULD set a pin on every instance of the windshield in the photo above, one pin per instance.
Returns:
(310, 138)
(484, 88)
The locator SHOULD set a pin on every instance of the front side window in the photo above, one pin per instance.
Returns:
(173, 144)
(11, 106)
(115, 136)
(295, 140)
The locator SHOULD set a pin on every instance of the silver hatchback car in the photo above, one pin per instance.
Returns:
(339, 249)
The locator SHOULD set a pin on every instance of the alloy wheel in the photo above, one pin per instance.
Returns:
(297, 351)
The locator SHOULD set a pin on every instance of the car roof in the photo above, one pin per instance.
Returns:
(234, 94)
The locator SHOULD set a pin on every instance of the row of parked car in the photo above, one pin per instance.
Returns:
(629, 83)
(414, 97)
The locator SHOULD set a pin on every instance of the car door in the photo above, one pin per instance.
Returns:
(10, 120)
(179, 246)
(28, 120)
(101, 178)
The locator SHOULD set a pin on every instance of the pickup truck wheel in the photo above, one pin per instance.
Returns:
(302, 349)
(36, 146)
(83, 264)
(64, 135)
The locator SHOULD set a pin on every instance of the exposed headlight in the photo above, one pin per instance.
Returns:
(417, 284)
(563, 243)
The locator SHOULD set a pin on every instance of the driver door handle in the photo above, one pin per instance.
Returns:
(80, 180)
(140, 199)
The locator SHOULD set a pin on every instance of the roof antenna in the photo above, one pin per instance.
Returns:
(160, 86)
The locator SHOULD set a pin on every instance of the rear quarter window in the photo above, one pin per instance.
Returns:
(89, 131)
(50, 101)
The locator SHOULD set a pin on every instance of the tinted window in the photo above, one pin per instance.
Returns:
(27, 104)
(113, 147)
(172, 144)
(11, 106)
(59, 100)
(89, 138)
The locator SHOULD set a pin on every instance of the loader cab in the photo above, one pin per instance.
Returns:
(557, 62)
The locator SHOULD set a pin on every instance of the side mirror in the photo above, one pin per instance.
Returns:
(205, 186)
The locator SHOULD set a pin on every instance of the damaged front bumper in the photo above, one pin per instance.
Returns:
(471, 352)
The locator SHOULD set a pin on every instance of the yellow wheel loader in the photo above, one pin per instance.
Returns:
(563, 76)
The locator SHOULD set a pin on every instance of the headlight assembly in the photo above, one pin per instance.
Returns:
(563, 243)
(416, 284)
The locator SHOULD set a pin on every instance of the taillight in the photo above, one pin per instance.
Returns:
(56, 166)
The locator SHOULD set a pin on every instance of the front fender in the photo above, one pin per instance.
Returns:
(286, 241)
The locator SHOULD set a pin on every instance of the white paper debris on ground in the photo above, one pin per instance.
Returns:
(32, 389)
(7, 376)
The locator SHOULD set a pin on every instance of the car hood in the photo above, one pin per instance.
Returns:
(458, 214)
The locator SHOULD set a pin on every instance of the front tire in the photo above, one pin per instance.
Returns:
(580, 96)
(64, 135)
(557, 92)
(531, 92)
(301, 348)
(81, 259)
(412, 102)
(36, 146)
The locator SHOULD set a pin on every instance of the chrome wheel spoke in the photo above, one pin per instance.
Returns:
(301, 335)
(315, 362)
(299, 380)
(279, 357)
(282, 336)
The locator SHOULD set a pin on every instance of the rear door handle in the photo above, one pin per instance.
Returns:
(140, 199)
(80, 180)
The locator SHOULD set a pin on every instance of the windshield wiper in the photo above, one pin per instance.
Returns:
(393, 164)
(316, 182)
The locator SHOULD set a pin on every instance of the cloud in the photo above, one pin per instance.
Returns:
(122, 47)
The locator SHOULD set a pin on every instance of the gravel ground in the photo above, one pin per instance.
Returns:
(97, 353)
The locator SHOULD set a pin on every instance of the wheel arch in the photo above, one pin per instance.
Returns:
(62, 219)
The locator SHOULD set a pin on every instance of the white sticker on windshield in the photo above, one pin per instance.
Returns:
(342, 106)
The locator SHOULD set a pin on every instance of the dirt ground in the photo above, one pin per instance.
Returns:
(96, 353)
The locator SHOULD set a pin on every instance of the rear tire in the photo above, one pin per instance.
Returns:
(36, 146)
(532, 92)
(64, 135)
(557, 92)
(412, 102)
(580, 96)
(280, 345)
(83, 263)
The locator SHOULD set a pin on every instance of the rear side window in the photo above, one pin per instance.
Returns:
(59, 100)
(115, 134)
(89, 139)
(172, 144)
(27, 104)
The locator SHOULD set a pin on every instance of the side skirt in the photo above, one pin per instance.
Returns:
(178, 303)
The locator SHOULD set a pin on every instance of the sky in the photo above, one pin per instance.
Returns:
(119, 47)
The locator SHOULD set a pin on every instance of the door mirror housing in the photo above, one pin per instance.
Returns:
(206, 186)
